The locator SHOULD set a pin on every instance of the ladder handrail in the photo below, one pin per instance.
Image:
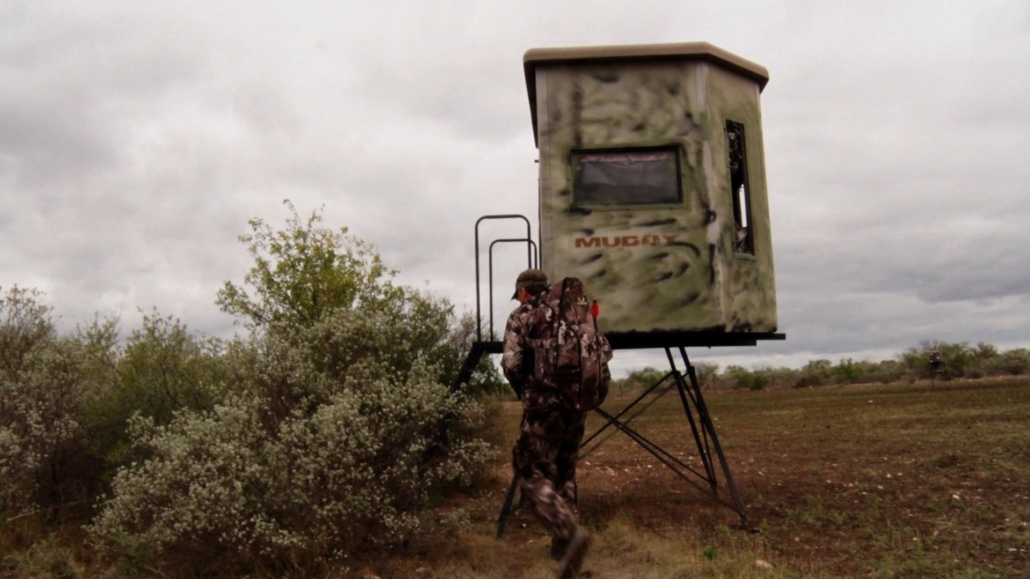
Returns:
(529, 260)
(530, 244)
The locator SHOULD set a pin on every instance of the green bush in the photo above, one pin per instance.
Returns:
(486, 379)
(639, 380)
(324, 431)
(160, 368)
(814, 373)
(707, 373)
(782, 377)
(758, 381)
(740, 377)
(1010, 363)
(636, 381)
(42, 380)
(303, 464)
(957, 358)
(888, 372)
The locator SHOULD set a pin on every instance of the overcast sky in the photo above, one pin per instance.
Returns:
(137, 139)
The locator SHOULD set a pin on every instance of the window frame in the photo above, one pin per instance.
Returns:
(742, 213)
(673, 148)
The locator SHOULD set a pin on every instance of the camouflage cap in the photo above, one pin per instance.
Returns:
(528, 279)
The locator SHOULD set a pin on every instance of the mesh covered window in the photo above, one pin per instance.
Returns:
(626, 176)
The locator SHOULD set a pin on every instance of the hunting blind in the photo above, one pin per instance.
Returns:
(652, 184)
(652, 191)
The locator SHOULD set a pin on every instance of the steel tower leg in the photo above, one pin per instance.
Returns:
(702, 429)
(709, 426)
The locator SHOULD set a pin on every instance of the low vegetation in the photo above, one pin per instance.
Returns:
(325, 440)
(329, 427)
(960, 360)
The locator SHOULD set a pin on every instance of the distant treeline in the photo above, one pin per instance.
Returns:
(959, 360)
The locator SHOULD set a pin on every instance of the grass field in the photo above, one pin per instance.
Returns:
(856, 481)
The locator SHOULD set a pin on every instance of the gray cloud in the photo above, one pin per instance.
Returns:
(137, 139)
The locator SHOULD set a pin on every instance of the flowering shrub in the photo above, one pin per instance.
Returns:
(41, 383)
(322, 451)
(328, 427)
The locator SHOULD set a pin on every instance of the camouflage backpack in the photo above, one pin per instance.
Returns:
(569, 346)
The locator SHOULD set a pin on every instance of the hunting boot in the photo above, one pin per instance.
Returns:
(575, 553)
(558, 548)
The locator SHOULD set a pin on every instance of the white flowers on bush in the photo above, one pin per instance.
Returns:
(323, 449)
(322, 432)
(41, 382)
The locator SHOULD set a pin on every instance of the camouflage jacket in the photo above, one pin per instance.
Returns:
(518, 360)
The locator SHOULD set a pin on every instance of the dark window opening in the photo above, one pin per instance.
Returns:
(743, 232)
(626, 176)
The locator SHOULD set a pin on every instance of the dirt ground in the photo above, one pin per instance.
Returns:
(857, 481)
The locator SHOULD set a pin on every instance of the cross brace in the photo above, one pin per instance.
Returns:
(701, 427)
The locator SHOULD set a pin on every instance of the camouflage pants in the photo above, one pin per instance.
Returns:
(544, 458)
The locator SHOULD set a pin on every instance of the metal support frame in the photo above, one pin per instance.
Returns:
(701, 426)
